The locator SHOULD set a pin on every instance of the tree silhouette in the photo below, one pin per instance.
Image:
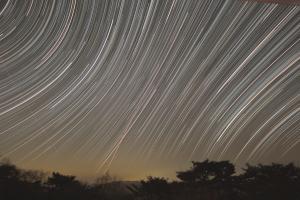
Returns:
(207, 180)
(214, 180)
(64, 187)
(109, 187)
(271, 182)
(8, 171)
(207, 172)
(154, 188)
(59, 181)
(18, 184)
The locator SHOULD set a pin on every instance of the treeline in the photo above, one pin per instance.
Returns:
(207, 180)
(19, 184)
(210, 180)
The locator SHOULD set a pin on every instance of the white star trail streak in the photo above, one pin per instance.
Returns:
(135, 87)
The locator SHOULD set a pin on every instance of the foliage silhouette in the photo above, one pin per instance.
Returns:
(19, 184)
(207, 180)
(207, 172)
(211, 180)
(274, 182)
(153, 188)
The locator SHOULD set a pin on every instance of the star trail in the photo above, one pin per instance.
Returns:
(140, 87)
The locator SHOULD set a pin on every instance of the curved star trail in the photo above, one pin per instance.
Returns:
(139, 87)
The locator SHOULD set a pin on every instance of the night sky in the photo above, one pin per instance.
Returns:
(144, 87)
